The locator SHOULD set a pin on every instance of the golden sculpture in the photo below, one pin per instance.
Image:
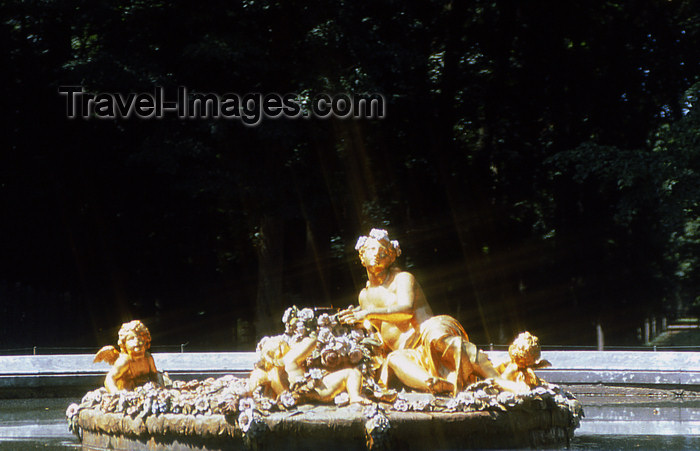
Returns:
(346, 356)
(524, 355)
(281, 369)
(425, 352)
(132, 364)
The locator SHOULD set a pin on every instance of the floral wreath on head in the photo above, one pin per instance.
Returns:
(381, 236)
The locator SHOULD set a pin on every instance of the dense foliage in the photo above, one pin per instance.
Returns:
(540, 164)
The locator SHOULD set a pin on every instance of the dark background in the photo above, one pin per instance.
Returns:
(539, 164)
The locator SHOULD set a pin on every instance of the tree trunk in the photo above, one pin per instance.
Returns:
(269, 242)
(315, 289)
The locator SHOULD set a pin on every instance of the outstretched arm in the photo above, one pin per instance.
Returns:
(402, 309)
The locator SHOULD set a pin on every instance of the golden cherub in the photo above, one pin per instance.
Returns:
(134, 365)
(524, 355)
(281, 369)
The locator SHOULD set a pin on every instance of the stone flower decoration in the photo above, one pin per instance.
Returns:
(339, 345)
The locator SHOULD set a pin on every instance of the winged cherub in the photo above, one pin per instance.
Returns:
(132, 364)
(524, 356)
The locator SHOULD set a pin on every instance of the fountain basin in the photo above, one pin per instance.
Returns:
(331, 427)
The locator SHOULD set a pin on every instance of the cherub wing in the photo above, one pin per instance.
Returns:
(107, 354)
(541, 364)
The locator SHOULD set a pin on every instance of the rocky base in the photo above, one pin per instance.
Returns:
(479, 418)
(327, 427)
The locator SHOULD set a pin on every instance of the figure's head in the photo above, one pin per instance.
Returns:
(270, 352)
(377, 250)
(134, 338)
(525, 350)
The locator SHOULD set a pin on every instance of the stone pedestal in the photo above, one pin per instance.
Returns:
(329, 427)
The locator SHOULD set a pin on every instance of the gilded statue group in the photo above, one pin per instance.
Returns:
(390, 340)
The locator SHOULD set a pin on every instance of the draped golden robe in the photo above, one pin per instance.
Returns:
(430, 351)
